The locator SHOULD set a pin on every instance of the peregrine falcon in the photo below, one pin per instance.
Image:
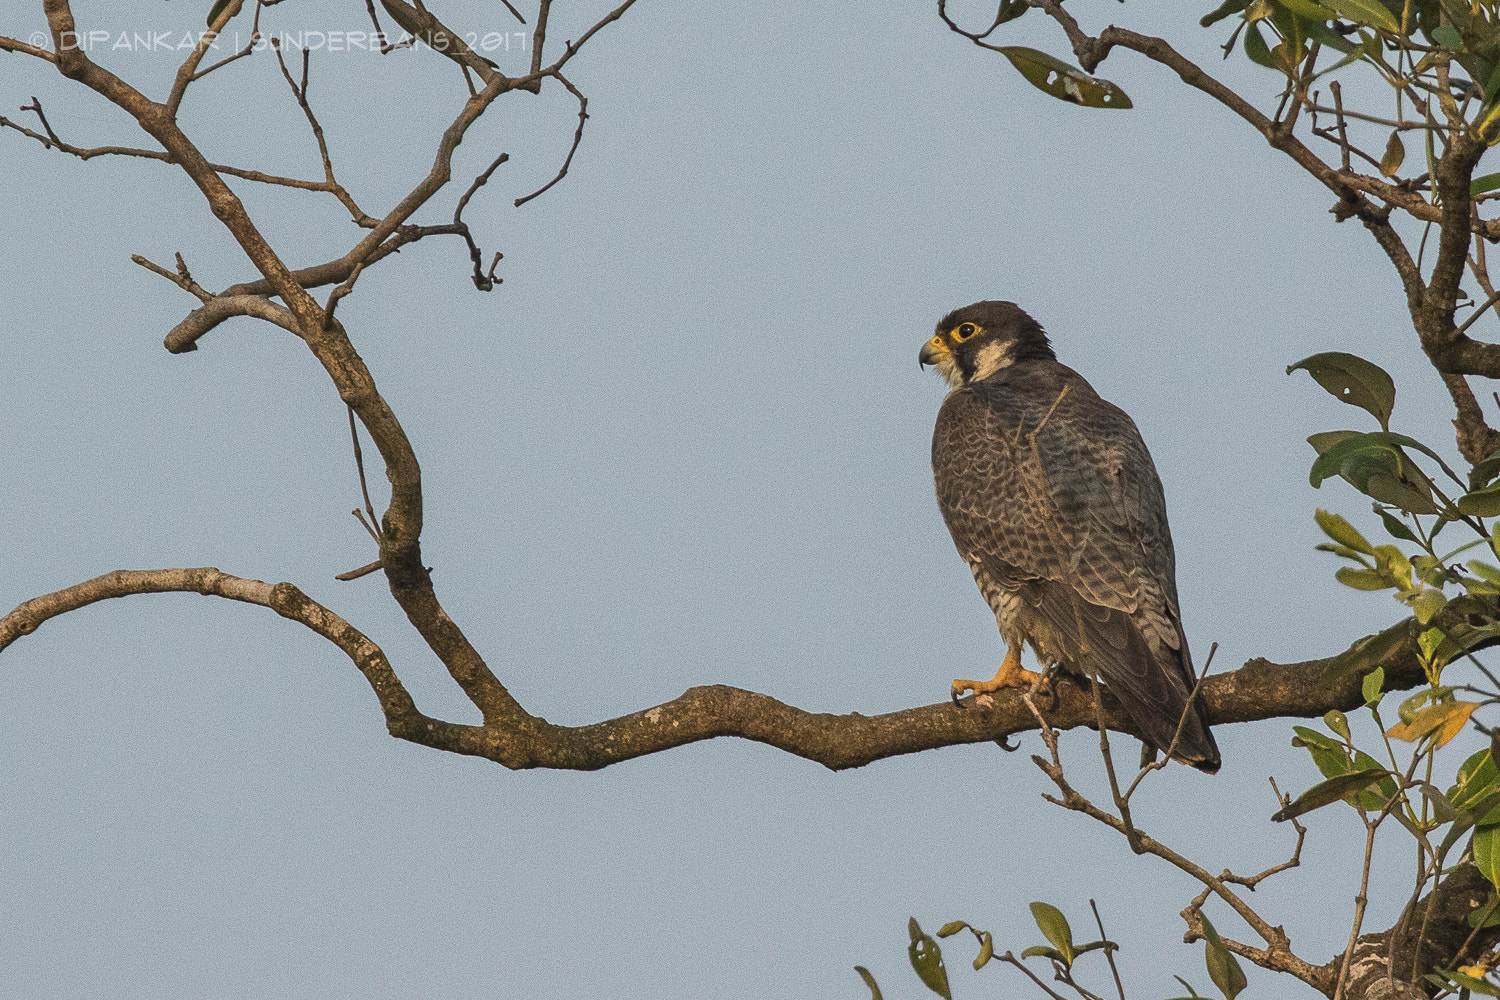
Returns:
(1054, 502)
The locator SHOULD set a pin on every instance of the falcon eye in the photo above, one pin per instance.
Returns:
(964, 332)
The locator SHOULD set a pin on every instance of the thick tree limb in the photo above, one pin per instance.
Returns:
(185, 335)
(1447, 943)
(1258, 690)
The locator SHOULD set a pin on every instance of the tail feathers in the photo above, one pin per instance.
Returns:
(1152, 686)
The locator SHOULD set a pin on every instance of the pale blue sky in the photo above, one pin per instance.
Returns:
(685, 442)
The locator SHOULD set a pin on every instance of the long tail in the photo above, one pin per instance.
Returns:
(1152, 686)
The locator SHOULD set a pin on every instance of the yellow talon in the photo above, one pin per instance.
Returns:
(1011, 674)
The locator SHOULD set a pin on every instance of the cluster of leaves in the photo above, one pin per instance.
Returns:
(1060, 953)
(1405, 42)
(1446, 48)
(1414, 506)
(1456, 608)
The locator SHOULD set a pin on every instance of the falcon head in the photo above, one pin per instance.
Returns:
(975, 342)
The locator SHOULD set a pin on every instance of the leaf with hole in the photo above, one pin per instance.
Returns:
(1067, 83)
(1353, 380)
(1338, 722)
(927, 959)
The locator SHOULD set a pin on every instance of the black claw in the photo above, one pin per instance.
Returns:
(954, 696)
(1005, 744)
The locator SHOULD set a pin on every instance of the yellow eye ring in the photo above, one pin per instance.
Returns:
(964, 332)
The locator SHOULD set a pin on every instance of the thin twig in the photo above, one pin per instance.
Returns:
(484, 281)
(583, 116)
(333, 301)
(364, 487)
(1109, 951)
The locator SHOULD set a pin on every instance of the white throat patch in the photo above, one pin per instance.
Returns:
(947, 366)
(992, 358)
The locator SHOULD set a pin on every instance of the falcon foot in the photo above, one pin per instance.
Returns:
(1010, 675)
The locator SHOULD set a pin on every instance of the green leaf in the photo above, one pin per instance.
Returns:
(1427, 604)
(1447, 36)
(1442, 810)
(1340, 550)
(1222, 11)
(1352, 379)
(1395, 155)
(927, 958)
(1476, 776)
(1042, 951)
(1377, 465)
(1481, 503)
(1487, 853)
(864, 974)
(1331, 790)
(1327, 439)
(1307, 8)
(1463, 981)
(1487, 915)
(1054, 927)
(1192, 993)
(1052, 75)
(951, 928)
(986, 951)
(1486, 469)
(1326, 754)
(1256, 48)
(1223, 968)
(1361, 579)
(1485, 184)
(1338, 722)
(1342, 531)
(1372, 685)
(1370, 12)
(1396, 529)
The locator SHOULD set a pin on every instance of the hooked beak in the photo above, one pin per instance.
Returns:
(932, 352)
